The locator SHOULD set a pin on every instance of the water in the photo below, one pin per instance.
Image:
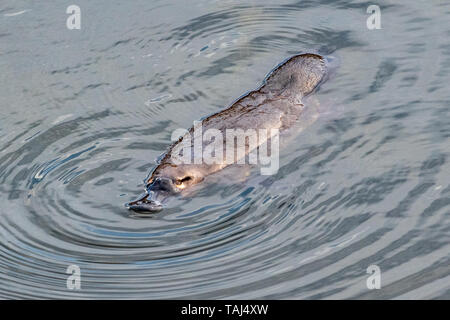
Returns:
(85, 113)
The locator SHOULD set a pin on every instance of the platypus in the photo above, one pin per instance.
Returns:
(275, 105)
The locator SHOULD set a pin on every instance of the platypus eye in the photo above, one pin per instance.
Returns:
(182, 180)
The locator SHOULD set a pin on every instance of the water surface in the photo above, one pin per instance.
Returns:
(85, 113)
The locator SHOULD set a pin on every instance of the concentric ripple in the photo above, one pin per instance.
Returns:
(84, 114)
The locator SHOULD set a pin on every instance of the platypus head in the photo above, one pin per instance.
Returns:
(167, 180)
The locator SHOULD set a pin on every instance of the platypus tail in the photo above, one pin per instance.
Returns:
(300, 74)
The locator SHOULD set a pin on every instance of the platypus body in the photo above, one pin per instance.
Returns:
(277, 104)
